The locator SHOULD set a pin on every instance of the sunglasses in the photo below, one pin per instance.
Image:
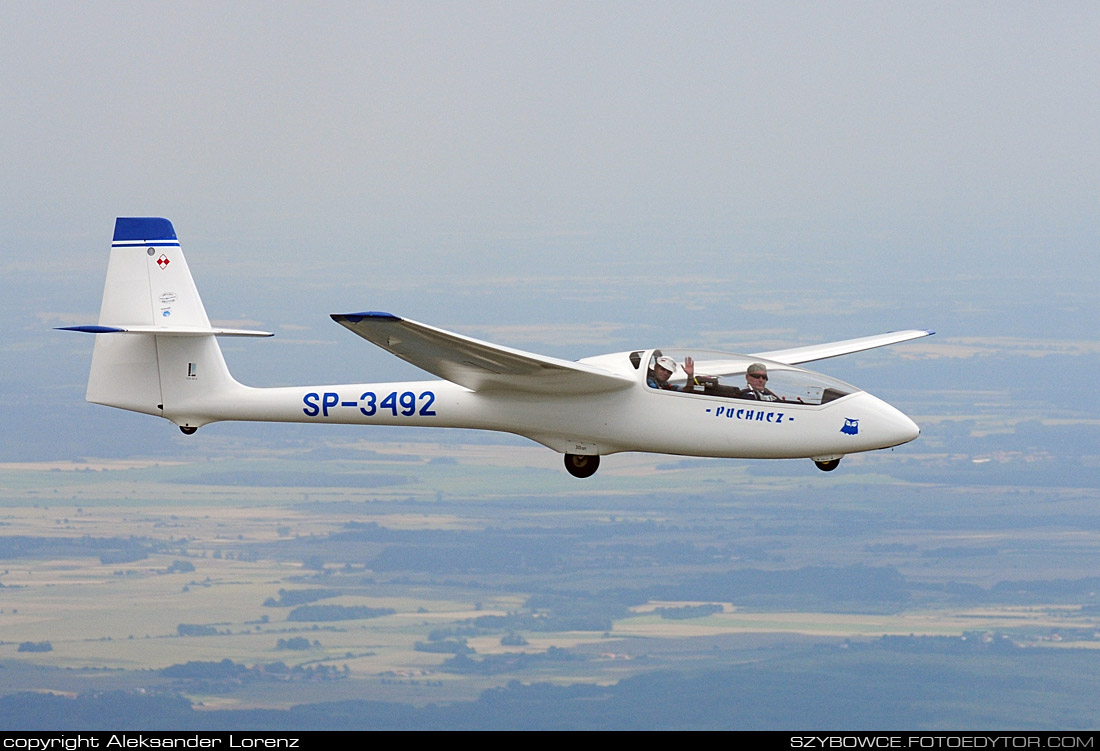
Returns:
(758, 375)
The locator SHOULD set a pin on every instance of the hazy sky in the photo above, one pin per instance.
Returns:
(855, 165)
(788, 125)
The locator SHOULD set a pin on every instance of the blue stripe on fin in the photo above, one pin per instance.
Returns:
(143, 228)
(145, 244)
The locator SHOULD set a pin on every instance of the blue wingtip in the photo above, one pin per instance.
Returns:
(357, 317)
(143, 228)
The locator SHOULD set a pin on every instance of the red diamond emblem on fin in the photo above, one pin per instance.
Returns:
(163, 261)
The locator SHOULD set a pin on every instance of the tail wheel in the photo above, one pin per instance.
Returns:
(187, 429)
(582, 465)
(828, 466)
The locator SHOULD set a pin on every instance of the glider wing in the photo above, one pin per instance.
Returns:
(797, 355)
(478, 365)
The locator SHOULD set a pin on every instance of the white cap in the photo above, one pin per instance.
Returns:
(667, 363)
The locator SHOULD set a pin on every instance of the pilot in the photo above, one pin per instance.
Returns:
(757, 378)
(663, 369)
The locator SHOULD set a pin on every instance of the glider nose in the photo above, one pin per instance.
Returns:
(897, 428)
(906, 429)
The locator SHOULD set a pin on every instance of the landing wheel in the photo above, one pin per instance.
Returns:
(828, 466)
(187, 429)
(582, 465)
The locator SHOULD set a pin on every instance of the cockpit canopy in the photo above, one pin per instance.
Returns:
(723, 375)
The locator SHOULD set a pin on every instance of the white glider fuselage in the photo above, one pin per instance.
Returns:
(634, 416)
(637, 418)
(157, 353)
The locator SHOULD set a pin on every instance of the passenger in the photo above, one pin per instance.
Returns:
(663, 369)
(756, 377)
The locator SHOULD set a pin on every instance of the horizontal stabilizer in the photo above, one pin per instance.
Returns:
(475, 364)
(797, 355)
(164, 331)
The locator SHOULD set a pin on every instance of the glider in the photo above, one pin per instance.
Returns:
(156, 353)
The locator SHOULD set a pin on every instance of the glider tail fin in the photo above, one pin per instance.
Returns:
(148, 282)
(156, 351)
